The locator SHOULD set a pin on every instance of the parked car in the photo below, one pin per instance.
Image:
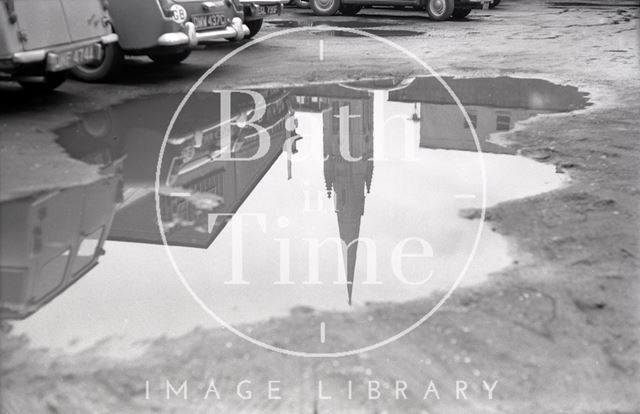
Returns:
(167, 30)
(437, 9)
(301, 4)
(40, 40)
(256, 10)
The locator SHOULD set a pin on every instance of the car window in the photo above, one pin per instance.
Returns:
(86, 251)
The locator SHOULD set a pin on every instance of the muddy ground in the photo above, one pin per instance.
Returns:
(558, 329)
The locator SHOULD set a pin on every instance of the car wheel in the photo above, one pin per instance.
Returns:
(440, 10)
(46, 83)
(494, 4)
(460, 14)
(350, 9)
(108, 68)
(301, 4)
(173, 58)
(325, 7)
(254, 27)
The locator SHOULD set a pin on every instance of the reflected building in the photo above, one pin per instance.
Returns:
(347, 116)
(50, 240)
(493, 104)
(191, 161)
(197, 180)
(320, 98)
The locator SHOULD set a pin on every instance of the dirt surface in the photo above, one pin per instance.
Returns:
(558, 329)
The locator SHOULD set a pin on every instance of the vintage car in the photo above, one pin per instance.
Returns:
(438, 10)
(167, 30)
(51, 239)
(40, 40)
(256, 10)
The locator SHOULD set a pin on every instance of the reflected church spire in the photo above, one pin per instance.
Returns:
(348, 173)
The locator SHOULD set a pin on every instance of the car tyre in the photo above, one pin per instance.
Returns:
(440, 10)
(494, 4)
(254, 27)
(46, 83)
(459, 14)
(350, 9)
(108, 68)
(325, 7)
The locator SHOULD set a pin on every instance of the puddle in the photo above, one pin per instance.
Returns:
(594, 4)
(353, 24)
(376, 165)
(376, 32)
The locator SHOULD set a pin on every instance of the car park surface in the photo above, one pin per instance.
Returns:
(558, 326)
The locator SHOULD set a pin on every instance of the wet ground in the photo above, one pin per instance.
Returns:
(419, 156)
(356, 24)
(557, 328)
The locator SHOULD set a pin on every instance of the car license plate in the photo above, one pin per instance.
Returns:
(66, 59)
(209, 21)
(267, 10)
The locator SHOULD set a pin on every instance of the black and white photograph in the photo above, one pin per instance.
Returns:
(319, 206)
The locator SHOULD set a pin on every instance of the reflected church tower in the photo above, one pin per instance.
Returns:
(348, 173)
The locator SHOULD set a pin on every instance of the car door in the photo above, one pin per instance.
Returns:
(85, 18)
(41, 23)
(9, 42)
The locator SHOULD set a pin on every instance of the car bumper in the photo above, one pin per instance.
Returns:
(40, 55)
(251, 8)
(190, 37)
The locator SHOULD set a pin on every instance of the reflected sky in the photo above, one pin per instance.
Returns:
(388, 163)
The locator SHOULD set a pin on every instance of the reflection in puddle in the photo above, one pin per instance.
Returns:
(374, 165)
(355, 24)
(591, 4)
(376, 32)
(51, 239)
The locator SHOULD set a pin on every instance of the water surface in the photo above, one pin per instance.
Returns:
(384, 167)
